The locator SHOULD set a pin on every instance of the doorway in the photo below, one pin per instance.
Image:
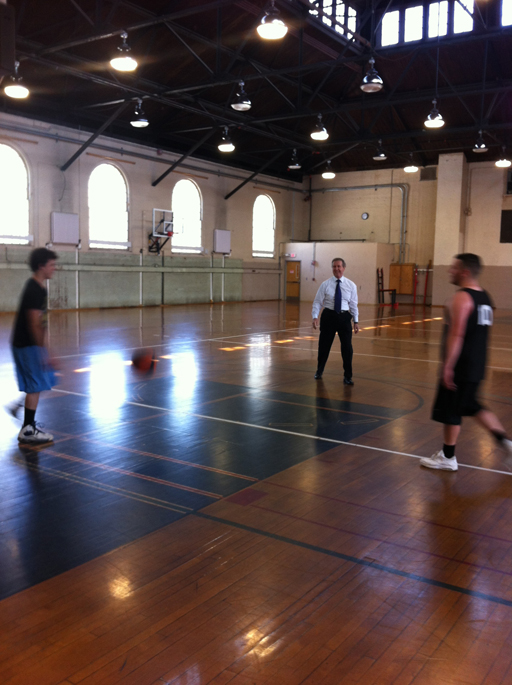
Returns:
(293, 280)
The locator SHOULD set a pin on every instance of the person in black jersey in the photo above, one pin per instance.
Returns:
(33, 368)
(468, 318)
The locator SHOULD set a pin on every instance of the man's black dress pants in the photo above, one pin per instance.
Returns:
(330, 324)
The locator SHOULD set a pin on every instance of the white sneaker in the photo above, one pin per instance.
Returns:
(33, 435)
(439, 461)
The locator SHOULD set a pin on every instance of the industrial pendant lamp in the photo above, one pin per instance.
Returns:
(294, 164)
(14, 89)
(226, 144)
(380, 155)
(123, 61)
(139, 119)
(480, 145)
(328, 173)
(434, 119)
(241, 103)
(271, 27)
(372, 82)
(319, 132)
(503, 162)
(411, 168)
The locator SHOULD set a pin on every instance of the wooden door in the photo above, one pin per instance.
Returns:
(401, 277)
(293, 280)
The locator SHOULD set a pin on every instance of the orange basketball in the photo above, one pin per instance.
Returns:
(143, 360)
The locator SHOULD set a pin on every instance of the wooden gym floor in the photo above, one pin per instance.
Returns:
(231, 520)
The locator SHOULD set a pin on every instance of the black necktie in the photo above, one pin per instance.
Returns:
(337, 298)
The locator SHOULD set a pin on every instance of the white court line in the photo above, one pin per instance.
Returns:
(200, 340)
(280, 430)
(419, 342)
(380, 356)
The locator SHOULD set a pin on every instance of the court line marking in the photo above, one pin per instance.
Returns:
(81, 480)
(380, 356)
(381, 540)
(356, 560)
(200, 340)
(131, 474)
(280, 430)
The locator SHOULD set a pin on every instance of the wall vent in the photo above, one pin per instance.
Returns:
(429, 173)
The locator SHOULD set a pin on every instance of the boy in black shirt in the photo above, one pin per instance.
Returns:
(468, 317)
(30, 353)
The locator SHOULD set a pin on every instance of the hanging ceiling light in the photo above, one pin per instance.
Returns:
(294, 162)
(139, 119)
(123, 61)
(241, 103)
(434, 119)
(271, 27)
(14, 89)
(480, 145)
(226, 144)
(503, 163)
(380, 155)
(411, 168)
(328, 173)
(372, 82)
(319, 132)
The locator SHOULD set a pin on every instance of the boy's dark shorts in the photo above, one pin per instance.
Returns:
(451, 405)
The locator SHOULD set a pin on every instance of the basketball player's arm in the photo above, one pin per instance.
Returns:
(459, 309)
(35, 326)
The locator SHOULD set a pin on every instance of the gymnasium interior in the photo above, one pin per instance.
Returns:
(225, 517)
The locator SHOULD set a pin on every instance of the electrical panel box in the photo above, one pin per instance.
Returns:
(221, 241)
(65, 228)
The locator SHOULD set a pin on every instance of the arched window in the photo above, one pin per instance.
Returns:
(14, 225)
(263, 227)
(186, 209)
(108, 209)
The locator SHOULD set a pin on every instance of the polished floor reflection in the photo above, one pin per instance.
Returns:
(227, 518)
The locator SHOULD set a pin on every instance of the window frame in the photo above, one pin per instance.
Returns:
(333, 14)
(109, 244)
(189, 249)
(264, 254)
(28, 239)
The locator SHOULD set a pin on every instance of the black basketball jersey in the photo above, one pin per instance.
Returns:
(470, 366)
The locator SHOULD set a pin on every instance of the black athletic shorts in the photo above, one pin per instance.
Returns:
(451, 405)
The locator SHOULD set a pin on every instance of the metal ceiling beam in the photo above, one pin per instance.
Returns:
(184, 157)
(260, 170)
(94, 136)
(192, 52)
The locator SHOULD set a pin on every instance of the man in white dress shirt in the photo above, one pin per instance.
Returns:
(338, 296)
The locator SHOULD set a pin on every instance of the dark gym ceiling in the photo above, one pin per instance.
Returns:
(192, 53)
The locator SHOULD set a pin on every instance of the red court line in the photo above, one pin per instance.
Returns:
(105, 467)
(389, 513)
(385, 542)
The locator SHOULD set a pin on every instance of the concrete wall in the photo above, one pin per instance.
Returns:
(99, 284)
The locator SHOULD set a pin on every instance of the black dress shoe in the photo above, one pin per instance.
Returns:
(318, 375)
(348, 381)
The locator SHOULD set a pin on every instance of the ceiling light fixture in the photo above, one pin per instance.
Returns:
(380, 155)
(503, 163)
(294, 164)
(14, 89)
(123, 61)
(411, 168)
(139, 119)
(226, 145)
(480, 145)
(271, 27)
(372, 82)
(319, 132)
(328, 173)
(434, 119)
(241, 103)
